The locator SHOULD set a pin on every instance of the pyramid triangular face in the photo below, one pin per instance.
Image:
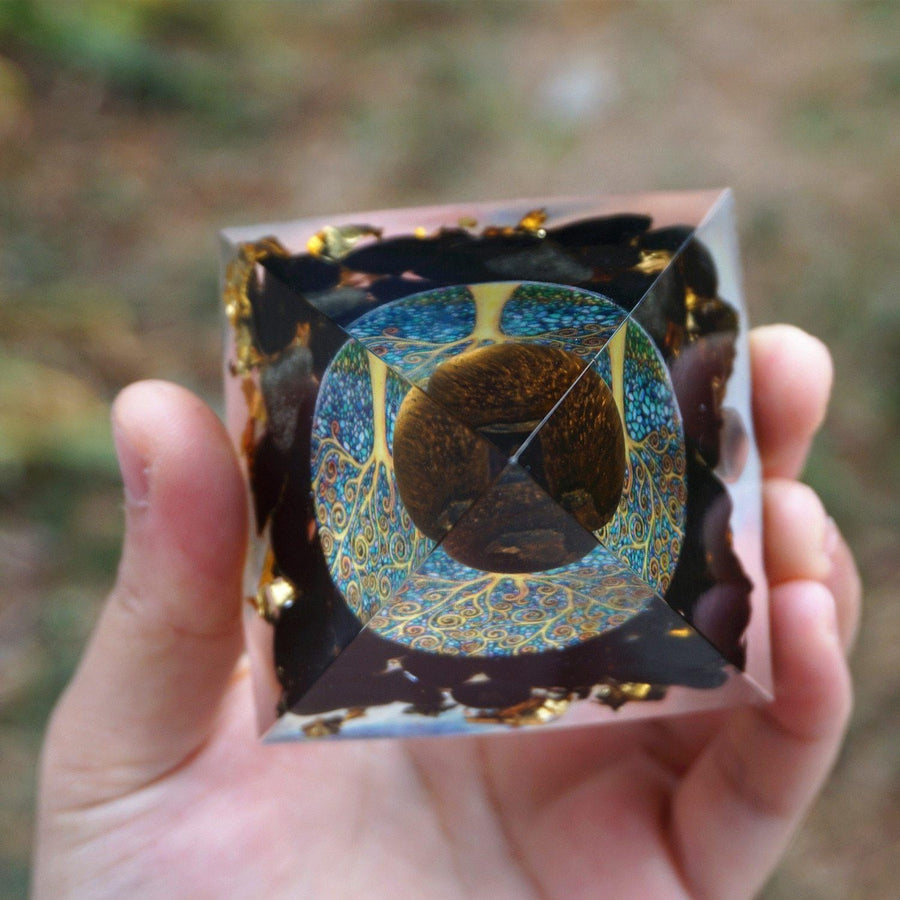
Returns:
(646, 530)
(436, 680)
(419, 333)
(368, 538)
(391, 472)
(517, 574)
(503, 641)
(499, 356)
(492, 465)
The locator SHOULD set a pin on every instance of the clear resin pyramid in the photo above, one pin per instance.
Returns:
(501, 464)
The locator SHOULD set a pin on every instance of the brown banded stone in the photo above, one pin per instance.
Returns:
(575, 460)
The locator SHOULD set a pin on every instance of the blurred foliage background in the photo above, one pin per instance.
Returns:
(131, 131)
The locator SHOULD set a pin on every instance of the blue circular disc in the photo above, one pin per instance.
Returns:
(395, 578)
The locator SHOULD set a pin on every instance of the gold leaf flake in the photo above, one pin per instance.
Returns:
(653, 261)
(238, 308)
(334, 242)
(533, 222)
(617, 693)
(323, 727)
(274, 593)
(534, 711)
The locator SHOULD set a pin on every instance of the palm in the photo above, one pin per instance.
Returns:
(153, 780)
(537, 815)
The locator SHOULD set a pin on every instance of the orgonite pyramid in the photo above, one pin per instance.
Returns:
(501, 465)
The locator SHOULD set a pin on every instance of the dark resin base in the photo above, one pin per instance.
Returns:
(488, 469)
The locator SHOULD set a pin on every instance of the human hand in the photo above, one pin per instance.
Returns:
(154, 784)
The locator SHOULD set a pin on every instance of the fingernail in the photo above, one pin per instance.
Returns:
(831, 539)
(830, 619)
(134, 469)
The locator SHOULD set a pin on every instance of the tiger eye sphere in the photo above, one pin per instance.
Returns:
(485, 408)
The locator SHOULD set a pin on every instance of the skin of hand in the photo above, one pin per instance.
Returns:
(153, 782)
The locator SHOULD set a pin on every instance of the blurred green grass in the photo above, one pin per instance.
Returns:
(129, 133)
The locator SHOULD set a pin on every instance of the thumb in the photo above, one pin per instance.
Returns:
(149, 685)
